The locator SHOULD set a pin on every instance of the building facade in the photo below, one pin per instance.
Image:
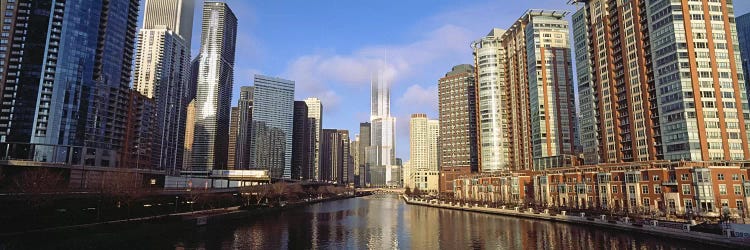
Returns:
(661, 188)
(457, 104)
(660, 80)
(273, 122)
(215, 78)
(743, 37)
(65, 71)
(140, 139)
(315, 112)
(175, 15)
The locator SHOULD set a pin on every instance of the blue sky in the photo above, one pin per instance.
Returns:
(330, 47)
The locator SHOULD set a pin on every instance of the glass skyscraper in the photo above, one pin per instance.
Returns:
(214, 88)
(65, 69)
(273, 118)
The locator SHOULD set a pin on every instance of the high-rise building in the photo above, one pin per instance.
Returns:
(161, 73)
(526, 106)
(301, 142)
(331, 156)
(244, 123)
(347, 167)
(138, 144)
(65, 70)
(273, 122)
(189, 102)
(315, 112)
(458, 125)
(660, 80)
(214, 87)
(743, 36)
(234, 127)
(356, 160)
(493, 103)
(423, 151)
(175, 15)
(540, 79)
(423, 142)
(364, 154)
(382, 150)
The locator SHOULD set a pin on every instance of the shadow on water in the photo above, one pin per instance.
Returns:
(373, 222)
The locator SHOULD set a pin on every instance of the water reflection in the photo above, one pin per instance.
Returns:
(375, 222)
(385, 222)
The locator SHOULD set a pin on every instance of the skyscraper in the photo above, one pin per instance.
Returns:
(244, 123)
(364, 145)
(214, 87)
(423, 146)
(162, 74)
(743, 35)
(302, 141)
(315, 112)
(382, 148)
(423, 152)
(493, 103)
(331, 156)
(541, 87)
(458, 125)
(64, 80)
(660, 81)
(273, 122)
(347, 167)
(234, 127)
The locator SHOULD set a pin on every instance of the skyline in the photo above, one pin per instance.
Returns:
(414, 35)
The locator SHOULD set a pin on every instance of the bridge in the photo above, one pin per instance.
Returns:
(381, 190)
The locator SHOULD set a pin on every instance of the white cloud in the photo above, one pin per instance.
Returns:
(417, 99)
(319, 73)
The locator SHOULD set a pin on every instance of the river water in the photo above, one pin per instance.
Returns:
(374, 222)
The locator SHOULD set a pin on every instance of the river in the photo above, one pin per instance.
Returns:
(374, 222)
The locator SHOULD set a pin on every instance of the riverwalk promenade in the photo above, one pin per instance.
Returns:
(673, 230)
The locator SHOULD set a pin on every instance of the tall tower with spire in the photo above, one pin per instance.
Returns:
(382, 148)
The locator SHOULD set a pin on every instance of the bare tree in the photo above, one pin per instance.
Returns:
(280, 190)
(296, 191)
(124, 189)
(36, 183)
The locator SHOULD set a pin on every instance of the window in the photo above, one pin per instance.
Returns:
(735, 177)
(720, 177)
(684, 177)
(656, 178)
(722, 189)
(657, 189)
(646, 202)
(644, 189)
(689, 205)
(686, 189)
(737, 189)
(614, 189)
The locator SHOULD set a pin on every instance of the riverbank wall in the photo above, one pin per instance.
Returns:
(671, 230)
(186, 219)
